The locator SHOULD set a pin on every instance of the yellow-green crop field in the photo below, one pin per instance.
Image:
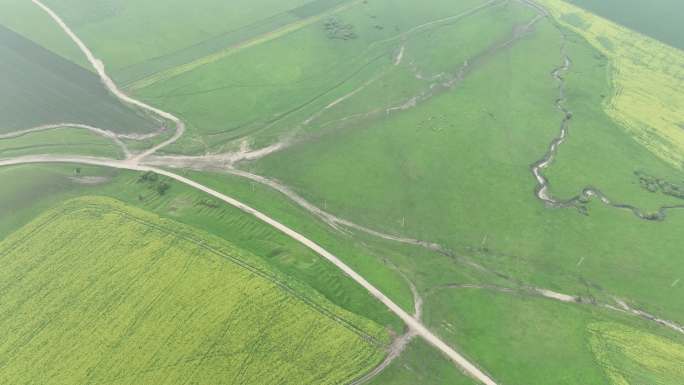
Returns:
(95, 292)
(633, 357)
(648, 78)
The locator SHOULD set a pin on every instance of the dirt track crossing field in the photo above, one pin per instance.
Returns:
(133, 163)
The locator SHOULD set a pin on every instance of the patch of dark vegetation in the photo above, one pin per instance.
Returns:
(654, 185)
(208, 203)
(154, 182)
(336, 29)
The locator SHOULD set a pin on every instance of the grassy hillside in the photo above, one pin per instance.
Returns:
(659, 19)
(424, 120)
(246, 94)
(139, 38)
(67, 141)
(169, 305)
(40, 87)
(455, 169)
(535, 341)
(421, 364)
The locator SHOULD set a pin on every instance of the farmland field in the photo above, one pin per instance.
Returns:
(656, 18)
(140, 38)
(101, 313)
(42, 88)
(68, 140)
(342, 191)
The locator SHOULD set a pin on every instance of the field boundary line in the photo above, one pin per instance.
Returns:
(421, 330)
(285, 30)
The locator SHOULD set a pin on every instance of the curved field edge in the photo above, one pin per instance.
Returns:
(659, 19)
(629, 355)
(644, 73)
(39, 188)
(86, 276)
(65, 141)
(536, 341)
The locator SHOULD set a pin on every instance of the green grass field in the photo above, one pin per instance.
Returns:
(424, 124)
(243, 94)
(140, 38)
(67, 141)
(420, 364)
(40, 87)
(534, 341)
(456, 170)
(87, 302)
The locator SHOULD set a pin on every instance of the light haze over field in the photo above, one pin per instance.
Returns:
(341, 192)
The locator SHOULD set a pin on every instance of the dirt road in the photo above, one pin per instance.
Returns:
(112, 87)
(409, 320)
(133, 163)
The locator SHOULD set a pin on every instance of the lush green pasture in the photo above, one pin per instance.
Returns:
(660, 19)
(138, 38)
(40, 87)
(67, 141)
(251, 94)
(598, 152)
(471, 102)
(421, 364)
(456, 170)
(170, 304)
(534, 341)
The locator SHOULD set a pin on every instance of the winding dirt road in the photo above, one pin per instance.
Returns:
(410, 321)
(112, 87)
(143, 162)
(133, 163)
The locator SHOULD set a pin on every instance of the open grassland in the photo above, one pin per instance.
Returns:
(631, 356)
(420, 364)
(598, 153)
(67, 141)
(253, 35)
(659, 19)
(169, 305)
(648, 77)
(455, 169)
(140, 38)
(274, 100)
(425, 125)
(532, 341)
(40, 87)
